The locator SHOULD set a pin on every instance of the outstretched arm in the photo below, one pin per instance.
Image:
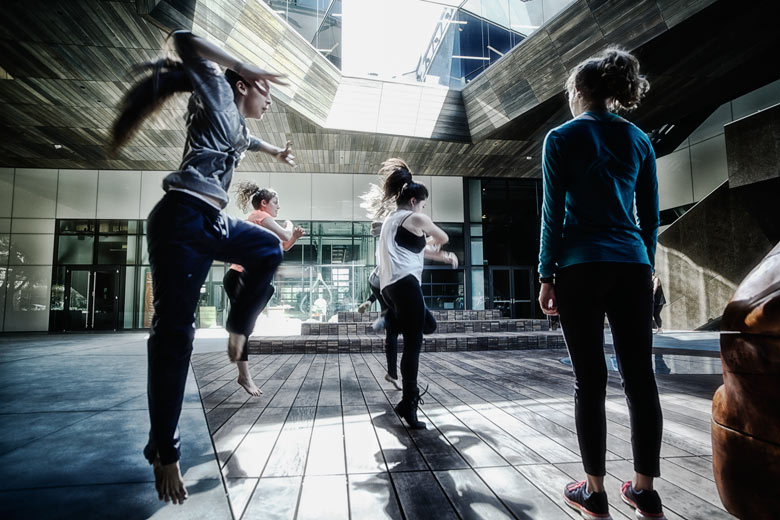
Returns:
(187, 44)
(283, 155)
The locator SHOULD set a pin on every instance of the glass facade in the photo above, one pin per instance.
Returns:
(318, 21)
(503, 237)
(102, 280)
(471, 37)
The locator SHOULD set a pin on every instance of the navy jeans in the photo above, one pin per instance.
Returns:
(185, 234)
(624, 292)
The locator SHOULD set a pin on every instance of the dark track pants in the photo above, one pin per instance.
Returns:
(624, 292)
(185, 234)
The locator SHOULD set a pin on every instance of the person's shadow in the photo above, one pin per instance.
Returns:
(432, 440)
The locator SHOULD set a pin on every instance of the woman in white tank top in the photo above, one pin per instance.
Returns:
(408, 237)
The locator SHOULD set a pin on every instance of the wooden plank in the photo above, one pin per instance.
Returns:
(251, 455)
(421, 496)
(373, 496)
(274, 499)
(473, 449)
(471, 498)
(398, 449)
(288, 457)
(519, 495)
(326, 452)
(362, 447)
(323, 497)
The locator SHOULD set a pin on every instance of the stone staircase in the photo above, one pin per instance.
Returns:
(457, 330)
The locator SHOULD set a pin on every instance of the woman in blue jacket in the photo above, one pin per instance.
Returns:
(599, 229)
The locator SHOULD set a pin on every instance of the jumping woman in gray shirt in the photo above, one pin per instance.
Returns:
(187, 229)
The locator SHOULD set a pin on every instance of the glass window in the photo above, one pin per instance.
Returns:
(28, 298)
(456, 243)
(31, 249)
(478, 289)
(5, 247)
(76, 226)
(128, 309)
(75, 249)
(443, 288)
(116, 249)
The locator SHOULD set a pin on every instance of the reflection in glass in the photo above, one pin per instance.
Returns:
(471, 38)
(75, 249)
(443, 288)
(27, 298)
(116, 249)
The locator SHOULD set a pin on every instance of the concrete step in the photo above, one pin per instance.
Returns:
(454, 315)
(354, 342)
(443, 327)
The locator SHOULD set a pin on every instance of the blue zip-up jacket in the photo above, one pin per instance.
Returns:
(595, 168)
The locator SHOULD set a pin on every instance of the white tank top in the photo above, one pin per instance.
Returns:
(396, 262)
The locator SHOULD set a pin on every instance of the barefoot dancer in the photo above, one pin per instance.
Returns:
(266, 208)
(401, 251)
(187, 229)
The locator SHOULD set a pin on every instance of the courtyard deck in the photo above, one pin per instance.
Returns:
(323, 440)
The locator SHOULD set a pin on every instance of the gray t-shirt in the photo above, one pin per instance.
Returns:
(217, 135)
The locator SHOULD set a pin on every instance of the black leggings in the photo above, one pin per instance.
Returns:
(233, 282)
(657, 315)
(391, 331)
(624, 292)
(412, 319)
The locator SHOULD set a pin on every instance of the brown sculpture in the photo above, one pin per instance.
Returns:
(746, 408)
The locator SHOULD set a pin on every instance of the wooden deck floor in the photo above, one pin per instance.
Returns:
(324, 442)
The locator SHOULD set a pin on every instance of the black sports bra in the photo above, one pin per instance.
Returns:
(408, 240)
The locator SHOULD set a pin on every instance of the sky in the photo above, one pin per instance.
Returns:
(385, 37)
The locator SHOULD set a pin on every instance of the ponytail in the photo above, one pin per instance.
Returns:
(160, 80)
(397, 188)
(247, 191)
(163, 79)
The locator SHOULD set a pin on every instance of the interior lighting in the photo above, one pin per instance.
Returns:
(532, 27)
(528, 158)
(472, 58)
(57, 146)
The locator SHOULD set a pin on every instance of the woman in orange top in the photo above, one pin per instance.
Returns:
(265, 202)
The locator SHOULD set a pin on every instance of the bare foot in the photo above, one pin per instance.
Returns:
(236, 343)
(169, 483)
(250, 387)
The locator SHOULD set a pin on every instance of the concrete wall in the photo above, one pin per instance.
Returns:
(704, 255)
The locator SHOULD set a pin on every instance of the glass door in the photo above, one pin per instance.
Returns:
(91, 298)
(105, 299)
(77, 298)
(511, 291)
